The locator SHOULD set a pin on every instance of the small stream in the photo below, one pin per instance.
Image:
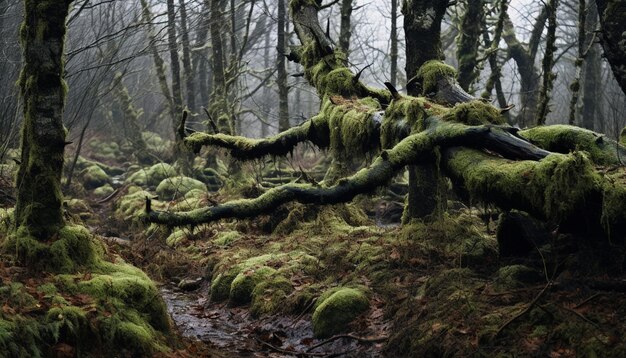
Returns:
(235, 333)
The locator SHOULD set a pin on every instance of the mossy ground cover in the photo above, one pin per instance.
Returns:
(430, 289)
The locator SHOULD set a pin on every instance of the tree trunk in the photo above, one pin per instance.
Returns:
(547, 64)
(394, 43)
(189, 77)
(283, 90)
(422, 27)
(592, 77)
(468, 41)
(180, 153)
(529, 78)
(159, 64)
(39, 199)
(200, 64)
(345, 29)
(613, 21)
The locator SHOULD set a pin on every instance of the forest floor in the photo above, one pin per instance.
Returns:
(268, 286)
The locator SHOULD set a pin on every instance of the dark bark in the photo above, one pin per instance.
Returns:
(613, 22)
(422, 28)
(188, 74)
(394, 43)
(38, 207)
(468, 41)
(283, 90)
(345, 28)
(547, 64)
(529, 78)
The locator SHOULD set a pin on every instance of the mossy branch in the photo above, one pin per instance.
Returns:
(249, 148)
(565, 139)
(416, 148)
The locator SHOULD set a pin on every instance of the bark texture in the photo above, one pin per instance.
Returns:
(38, 181)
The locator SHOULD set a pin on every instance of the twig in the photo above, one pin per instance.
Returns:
(290, 352)
(112, 195)
(351, 336)
(530, 305)
(587, 300)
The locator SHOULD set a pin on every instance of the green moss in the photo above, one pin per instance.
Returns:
(475, 113)
(129, 207)
(430, 73)
(73, 247)
(352, 131)
(159, 172)
(270, 295)
(104, 191)
(83, 163)
(176, 237)
(139, 178)
(227, 238)
(334, 314)
(244, 283)
(564, 139)
(515, 276)
(555, 187)
(176, 187)
(104, 150)
(7, 220)
(94, 177)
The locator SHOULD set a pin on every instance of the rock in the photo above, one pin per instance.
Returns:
(334, 314)
(94, 177)
(176, 187)
(190, 284)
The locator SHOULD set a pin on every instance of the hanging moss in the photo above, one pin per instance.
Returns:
(555, 187)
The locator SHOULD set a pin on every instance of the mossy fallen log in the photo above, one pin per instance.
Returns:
(415, 149)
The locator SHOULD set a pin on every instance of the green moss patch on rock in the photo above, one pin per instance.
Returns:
(335, 313)
(245, 282)
(94, 177)
(104, 190)
(176, 187)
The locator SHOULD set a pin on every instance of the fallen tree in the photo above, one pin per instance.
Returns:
(551, 172)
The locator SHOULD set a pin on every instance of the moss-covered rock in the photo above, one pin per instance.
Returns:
(270, 295)
(104, 190)
(176, 187)
(94, 177)
(129, 207)
(334, 313)
(245, 282)
(102, 150)
(516, 276)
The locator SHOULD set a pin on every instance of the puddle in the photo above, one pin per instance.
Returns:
(235, 333)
